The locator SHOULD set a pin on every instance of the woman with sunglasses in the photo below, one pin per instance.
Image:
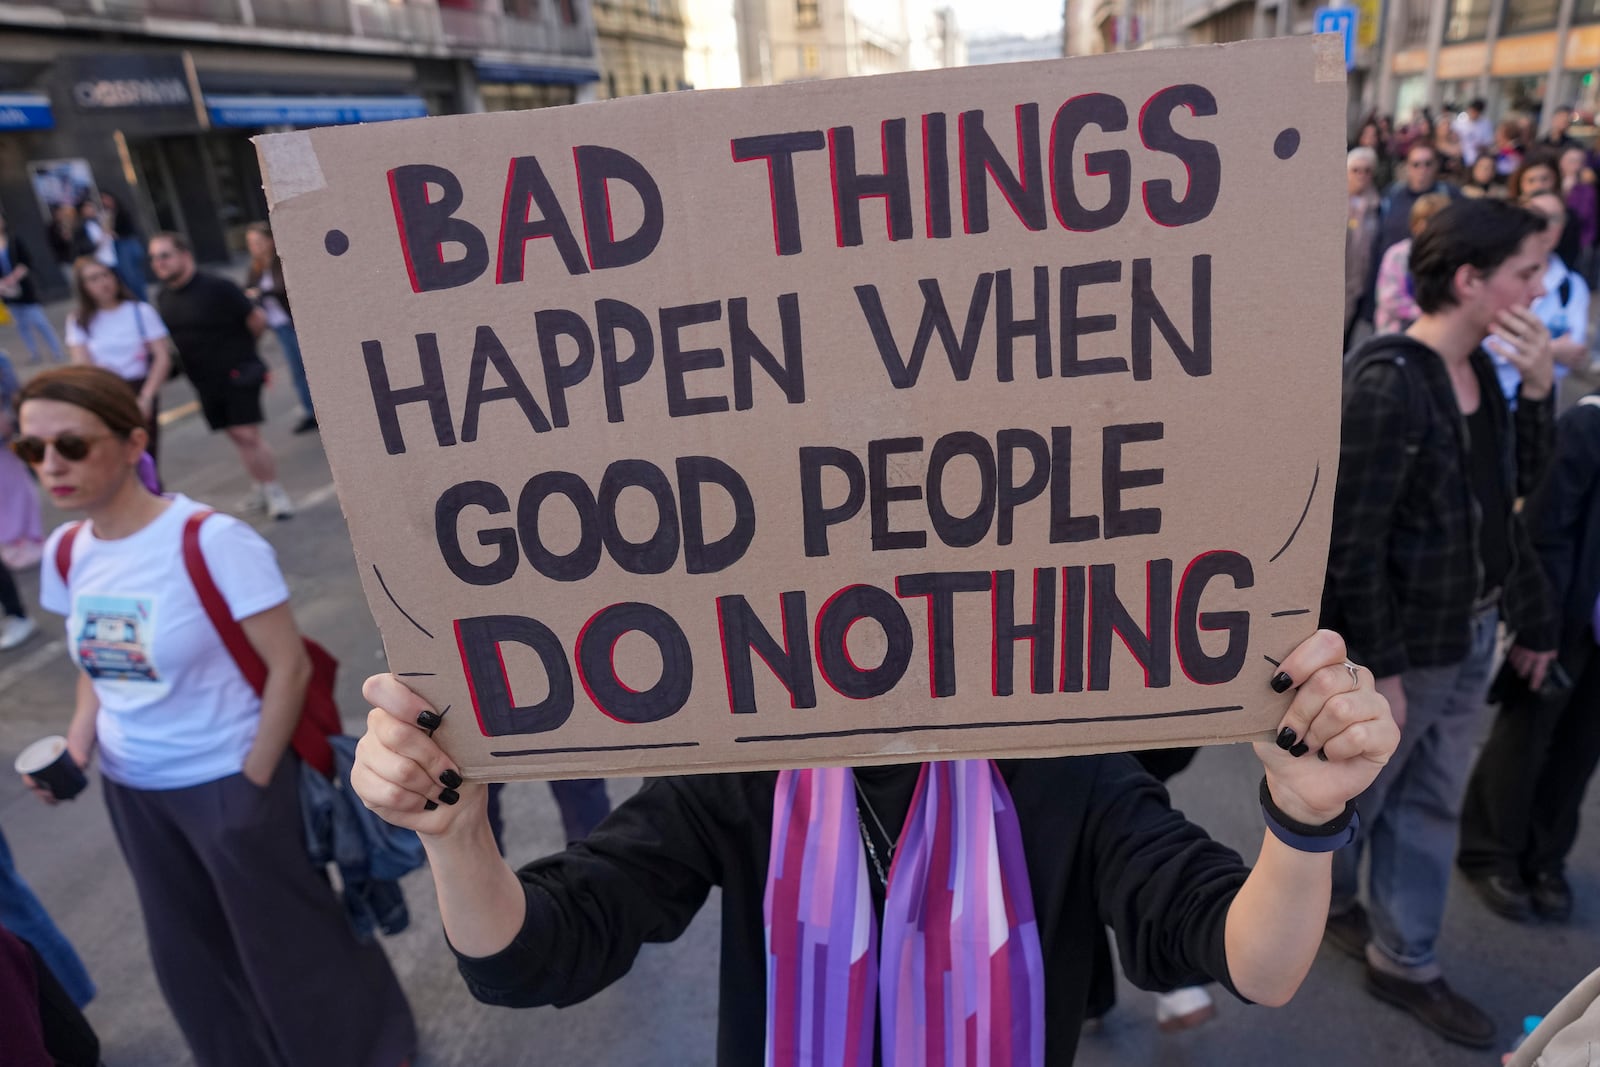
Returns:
(252, 950)
(110, 328)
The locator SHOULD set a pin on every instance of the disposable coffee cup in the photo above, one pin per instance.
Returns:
(48, 762)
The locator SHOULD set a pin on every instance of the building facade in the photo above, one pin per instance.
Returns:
(641, 47)
(801, 40)
(155, 101)
(1519, 55)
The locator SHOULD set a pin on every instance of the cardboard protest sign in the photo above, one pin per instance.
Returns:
(981, 411)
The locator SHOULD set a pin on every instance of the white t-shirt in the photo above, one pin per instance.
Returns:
(114, 339)
(174, 709)
(276, 316)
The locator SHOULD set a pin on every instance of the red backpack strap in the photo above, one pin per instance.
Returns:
(64, 550)
(249, 661)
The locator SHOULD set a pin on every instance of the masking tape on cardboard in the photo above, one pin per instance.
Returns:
(291, 167)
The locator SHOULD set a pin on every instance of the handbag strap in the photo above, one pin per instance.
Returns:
(244, 654)
(64, 550)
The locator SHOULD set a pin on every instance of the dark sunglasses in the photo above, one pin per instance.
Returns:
(69, 446)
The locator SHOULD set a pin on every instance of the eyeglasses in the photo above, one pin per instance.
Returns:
(1360, 170)
(163, 255)
(71, 447)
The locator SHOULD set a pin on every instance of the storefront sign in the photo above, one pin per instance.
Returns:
(26, 111)
(105, 81)
(257, 111)
(981, 411)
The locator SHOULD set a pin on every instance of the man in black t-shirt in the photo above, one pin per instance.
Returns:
(214, 327)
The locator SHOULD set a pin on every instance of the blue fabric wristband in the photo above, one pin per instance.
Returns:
(1328, 837)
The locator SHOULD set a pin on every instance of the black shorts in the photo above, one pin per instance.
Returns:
(225, 404)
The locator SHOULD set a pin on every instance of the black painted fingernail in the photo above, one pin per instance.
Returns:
(1322, 754)
(449, 796)
(1299, 750)
(1281, 682)
(428, 805)
(429, 720)
(450, 779)
(1287, 738)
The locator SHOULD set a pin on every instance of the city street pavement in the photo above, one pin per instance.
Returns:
(664, 1012)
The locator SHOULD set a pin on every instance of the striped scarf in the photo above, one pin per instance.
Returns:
(960, 978)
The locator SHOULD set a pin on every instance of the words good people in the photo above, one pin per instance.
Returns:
(1078, 612)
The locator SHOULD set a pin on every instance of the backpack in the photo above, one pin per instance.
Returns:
(1392, 348)
(319, 715)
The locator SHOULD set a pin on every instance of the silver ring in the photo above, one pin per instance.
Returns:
(1355, 675)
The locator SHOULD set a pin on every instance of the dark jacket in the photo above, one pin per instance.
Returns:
(1103, 845)
(17, 253)
(1564, 516)
(279, 289)
(1403, 562)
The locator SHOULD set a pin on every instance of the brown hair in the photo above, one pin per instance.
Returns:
(1426, 207)
(262, 264)
(95, 390)
(87, 309)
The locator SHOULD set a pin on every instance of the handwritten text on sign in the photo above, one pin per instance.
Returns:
(931, 414)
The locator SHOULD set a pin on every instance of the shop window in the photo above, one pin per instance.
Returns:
(1586, 11)
(611, 86)
(1467, 20)
(569, 12)
(644, 84)
(809, 59)
(524, 96)
(1530, 15)
(522, 9)
(807, 14)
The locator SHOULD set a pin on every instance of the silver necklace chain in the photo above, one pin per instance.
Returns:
(866, 837)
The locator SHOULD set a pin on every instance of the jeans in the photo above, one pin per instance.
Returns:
(297, 368)
(130, 265)
(1410, 816)
(23, 915)
(34, 326)
(583, 803)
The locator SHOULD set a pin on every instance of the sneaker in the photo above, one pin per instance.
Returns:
(14, 631)
(252, 504)
(1503, 894)
(306, 425)
(278, 504)
(1551, 896)
(1349, 932)
(1437, 1006)
(1184, 1009)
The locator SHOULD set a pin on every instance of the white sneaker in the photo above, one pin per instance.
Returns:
(253, 503)
(14, 631)
(279, 506)
(1183, 1009)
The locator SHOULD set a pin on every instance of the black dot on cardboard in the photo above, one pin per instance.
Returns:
(336, 242)
(1287, 144)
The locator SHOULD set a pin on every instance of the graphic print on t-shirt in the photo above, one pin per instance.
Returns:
(112, 636)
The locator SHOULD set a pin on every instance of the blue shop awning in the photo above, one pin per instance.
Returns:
(311, 110)
(26, 111)
(524, 74)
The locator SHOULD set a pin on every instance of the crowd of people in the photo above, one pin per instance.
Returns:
(1463, 575)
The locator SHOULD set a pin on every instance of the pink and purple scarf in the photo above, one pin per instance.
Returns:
(959, 981)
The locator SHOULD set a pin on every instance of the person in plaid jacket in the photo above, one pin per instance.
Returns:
(1427, 556)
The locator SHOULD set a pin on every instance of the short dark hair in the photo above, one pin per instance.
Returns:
(178, 240)
(1481, 233)
(1477, 104)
